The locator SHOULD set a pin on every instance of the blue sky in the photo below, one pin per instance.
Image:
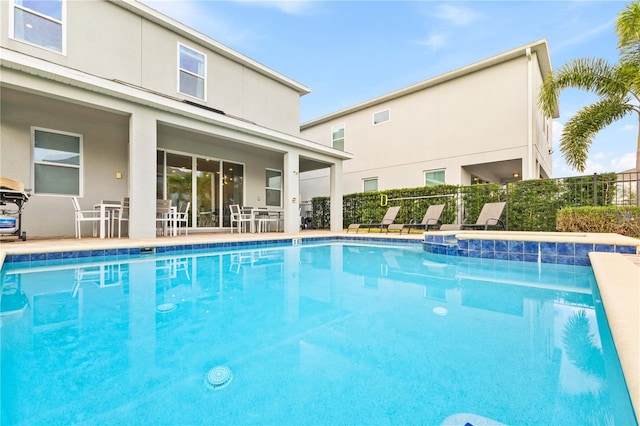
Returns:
(351, 51)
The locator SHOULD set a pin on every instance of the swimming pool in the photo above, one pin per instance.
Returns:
(324, 333)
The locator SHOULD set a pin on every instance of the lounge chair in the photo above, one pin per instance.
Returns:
(387, 220)
(489, 216)
(431, 219)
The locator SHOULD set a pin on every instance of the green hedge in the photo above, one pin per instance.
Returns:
(621, 220)
(532, 205)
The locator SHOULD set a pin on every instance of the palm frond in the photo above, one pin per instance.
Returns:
(580, 130)
(628, 29)
(593, 75)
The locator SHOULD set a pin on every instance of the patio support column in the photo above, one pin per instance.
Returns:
(335, 177)
(291, 192)
(142, 174)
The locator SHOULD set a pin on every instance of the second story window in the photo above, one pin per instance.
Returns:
(337, 137)
(381, 117)
(39, 22)
(370, 184)
(192, 72)
(434, 177)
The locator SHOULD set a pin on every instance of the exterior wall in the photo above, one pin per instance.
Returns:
(104, 153)
(108, 41)
(541, 130)
(105, 145)
(480, 117)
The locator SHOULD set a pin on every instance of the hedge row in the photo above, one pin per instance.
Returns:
(621, 220)
(532, 205)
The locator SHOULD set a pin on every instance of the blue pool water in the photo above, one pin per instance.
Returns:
(331, 333)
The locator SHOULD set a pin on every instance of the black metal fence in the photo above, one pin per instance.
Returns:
(532, 205)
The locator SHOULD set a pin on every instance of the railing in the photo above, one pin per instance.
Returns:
(532, 205)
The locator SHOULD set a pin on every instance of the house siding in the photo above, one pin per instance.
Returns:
(457, 124)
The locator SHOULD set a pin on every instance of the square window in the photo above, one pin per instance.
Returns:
(56, 162)
(381, 117)
(434, 177)
(39, 22)
(370, 185)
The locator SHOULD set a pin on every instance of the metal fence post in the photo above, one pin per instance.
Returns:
(506, 219)
(595, 189)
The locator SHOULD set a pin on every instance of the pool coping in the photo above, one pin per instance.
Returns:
(617, 277)
(618, 280)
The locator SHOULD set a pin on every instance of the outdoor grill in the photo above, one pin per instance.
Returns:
(12, 200)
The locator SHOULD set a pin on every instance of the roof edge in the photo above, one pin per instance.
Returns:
(540, 47)
(167, 22)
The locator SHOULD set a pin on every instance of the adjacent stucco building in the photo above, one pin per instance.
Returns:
(476, 124)
(111, 99)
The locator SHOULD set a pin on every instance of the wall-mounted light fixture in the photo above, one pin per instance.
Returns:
(516, 175)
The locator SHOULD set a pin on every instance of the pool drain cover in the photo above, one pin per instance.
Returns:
(166, 308)
(218, 377)
(438, 310)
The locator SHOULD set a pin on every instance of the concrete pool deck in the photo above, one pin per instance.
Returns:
(618, 275)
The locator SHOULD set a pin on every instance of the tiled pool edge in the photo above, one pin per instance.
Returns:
(512, 248)
(136, 249)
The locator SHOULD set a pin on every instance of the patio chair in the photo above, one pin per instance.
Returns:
(164, 217)
(121, 215)
(86, 216)
(387, 220)
(431, 219)
(182, 217)
(489, 216)
(238, 217)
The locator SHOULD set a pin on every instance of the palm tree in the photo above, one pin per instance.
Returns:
(617, 86)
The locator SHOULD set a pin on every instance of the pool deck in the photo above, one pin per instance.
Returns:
(618, 275)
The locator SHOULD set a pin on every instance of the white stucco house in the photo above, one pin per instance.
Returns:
(111, 99)
(477, 124)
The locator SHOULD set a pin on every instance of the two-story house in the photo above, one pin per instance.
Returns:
(476, 124)
(111, 99)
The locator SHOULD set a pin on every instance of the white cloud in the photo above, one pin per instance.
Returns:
(629, 128)
(434, 41)
(556, 131)
(457, 15)
(199, 16)
(599, 156)
(626, 162)
(584, 36)
(290, 7)
(595, 167)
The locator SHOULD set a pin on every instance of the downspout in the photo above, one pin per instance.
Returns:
(530, 159)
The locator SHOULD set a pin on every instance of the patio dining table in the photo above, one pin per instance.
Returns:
(256, 212)
(106, 208)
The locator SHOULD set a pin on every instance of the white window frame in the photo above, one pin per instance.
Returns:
(364, 180)
(433, 171)
(267, 188)
(388, 111)
(80, 166)
(337, 127)
(203, 77)
(63, 24)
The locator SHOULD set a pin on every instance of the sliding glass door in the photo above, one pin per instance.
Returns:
(208, 188)
(210, 185)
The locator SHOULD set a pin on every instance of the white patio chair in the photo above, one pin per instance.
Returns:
(266, 218)
(86, 216)
(182, 217)
(238, 217)
(164, 217)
